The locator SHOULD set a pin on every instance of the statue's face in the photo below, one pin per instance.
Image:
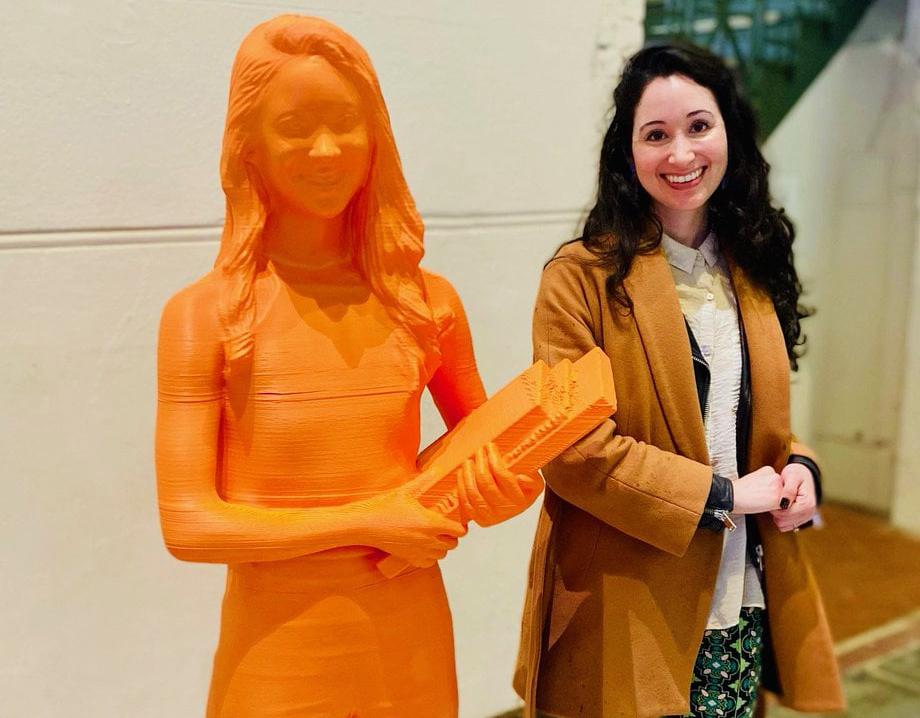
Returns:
(312, 140)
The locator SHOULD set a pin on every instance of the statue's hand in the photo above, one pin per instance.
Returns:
(398, 524)
(489, 493)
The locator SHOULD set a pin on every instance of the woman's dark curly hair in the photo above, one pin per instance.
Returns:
(753, 233)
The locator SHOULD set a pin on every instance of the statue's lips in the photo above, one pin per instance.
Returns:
(322, 180)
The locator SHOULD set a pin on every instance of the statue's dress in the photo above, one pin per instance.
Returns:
(327, 414)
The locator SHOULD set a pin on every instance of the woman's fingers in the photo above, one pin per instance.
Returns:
(789, 492)
(796, 504)
(799, 512)
(794, 483)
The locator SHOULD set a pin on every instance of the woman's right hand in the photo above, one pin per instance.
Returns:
(398, 524)
(758, 492)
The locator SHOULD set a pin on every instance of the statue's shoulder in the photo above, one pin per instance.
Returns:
(441, 293)
(194, 309)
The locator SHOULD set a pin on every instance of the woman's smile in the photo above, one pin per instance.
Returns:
(686, 180)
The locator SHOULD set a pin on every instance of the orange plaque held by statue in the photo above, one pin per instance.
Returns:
(531, 420)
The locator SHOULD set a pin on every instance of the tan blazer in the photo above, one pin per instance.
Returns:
(621, 579)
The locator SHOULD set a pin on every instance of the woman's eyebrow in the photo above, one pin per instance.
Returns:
(653, 122)
(689, 114)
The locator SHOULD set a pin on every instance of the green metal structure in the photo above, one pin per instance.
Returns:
(778, 46)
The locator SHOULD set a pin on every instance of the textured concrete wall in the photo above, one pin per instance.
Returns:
(905, 505)
(111, 120)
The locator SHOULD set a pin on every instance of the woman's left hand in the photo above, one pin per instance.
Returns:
(489, 493)
(799, 490)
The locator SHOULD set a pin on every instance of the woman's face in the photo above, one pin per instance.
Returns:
(679, 144)
(313, 143)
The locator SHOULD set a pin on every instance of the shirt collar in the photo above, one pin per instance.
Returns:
(683, 257)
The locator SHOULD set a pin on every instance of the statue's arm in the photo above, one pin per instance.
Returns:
(488, 492)
(455, 387)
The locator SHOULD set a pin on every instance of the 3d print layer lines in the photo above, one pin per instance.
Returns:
(532, 420)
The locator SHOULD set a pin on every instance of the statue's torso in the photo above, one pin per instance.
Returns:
(330, 410)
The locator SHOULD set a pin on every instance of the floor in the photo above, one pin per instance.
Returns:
(869, 574)
(886, 688)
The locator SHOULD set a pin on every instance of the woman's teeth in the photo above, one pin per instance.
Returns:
(679, 179)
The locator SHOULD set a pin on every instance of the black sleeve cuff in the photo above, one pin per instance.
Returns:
(721, 497)
(812, 467)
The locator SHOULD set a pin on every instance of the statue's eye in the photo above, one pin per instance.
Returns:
(345, 121)
(295, 125)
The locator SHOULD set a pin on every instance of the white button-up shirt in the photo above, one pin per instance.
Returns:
(707, 299)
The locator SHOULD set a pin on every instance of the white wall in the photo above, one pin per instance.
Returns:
(905, 505)
(111, 119)
(845, 165)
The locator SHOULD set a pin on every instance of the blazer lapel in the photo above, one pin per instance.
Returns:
(769, 373)
(667, 348)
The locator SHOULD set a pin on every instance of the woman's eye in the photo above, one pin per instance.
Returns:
(654, 136)
(699, 126)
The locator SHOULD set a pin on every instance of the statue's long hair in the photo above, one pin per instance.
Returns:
(384, 226)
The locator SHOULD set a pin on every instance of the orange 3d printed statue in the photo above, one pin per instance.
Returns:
(289, 387)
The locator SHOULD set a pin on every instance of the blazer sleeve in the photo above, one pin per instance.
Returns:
(653, 495)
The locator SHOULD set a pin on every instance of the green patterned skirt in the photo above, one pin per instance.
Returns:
(727, 671)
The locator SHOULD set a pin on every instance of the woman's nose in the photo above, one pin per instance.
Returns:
(325, 145)
(681, 151)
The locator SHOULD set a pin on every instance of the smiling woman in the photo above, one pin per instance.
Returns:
(666, 576)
